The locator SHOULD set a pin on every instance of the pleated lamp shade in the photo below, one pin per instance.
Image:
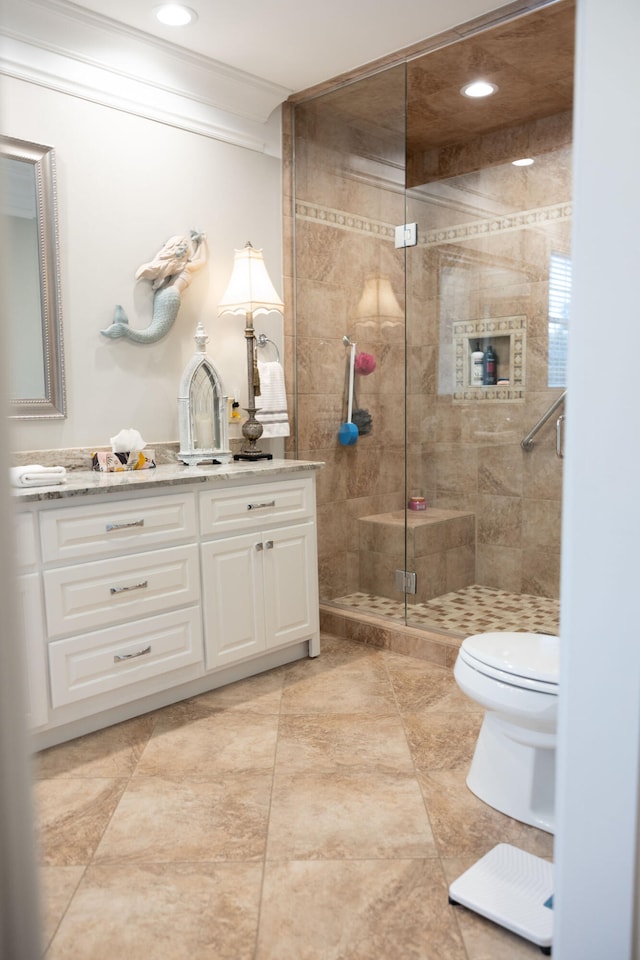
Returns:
(250, 289)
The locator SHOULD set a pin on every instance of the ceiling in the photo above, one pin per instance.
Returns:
(530, 58)
(297, 43)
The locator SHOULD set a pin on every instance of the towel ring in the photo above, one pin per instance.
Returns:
(262, 340)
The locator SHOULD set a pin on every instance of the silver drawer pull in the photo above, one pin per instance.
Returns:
(124, 526)
(269, 544)
(132, 656)
(261, 506)
(259, 546)
(134, 586)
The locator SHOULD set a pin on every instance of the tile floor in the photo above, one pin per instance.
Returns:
(315, 812)
(474, 609)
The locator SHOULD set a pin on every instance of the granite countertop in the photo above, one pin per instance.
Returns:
(92, 482)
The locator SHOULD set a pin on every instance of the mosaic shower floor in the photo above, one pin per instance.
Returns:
(474, 609)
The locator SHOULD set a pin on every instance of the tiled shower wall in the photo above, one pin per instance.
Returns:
(472, 263)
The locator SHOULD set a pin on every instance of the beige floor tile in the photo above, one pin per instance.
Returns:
(259, 694)
(333, 742)
(465, 826)
(347, 814)
(195, 741)
(338, 653)
(162, 819)
(442, 741)
(351, 685)
(165, 912)
(57, 886)
(357, 910)
(112, 752)
(420, 686)
(72, 817)
(346, 773)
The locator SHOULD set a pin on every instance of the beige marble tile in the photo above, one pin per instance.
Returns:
(72, 816)
(442, 741)
(112, 752)
(259, 694)
(162, 819)
(421, 687)
(465, 826)
(357, 910)
(167, 912)
(500, 521)
(57, 886)
(189, 743)
(339, 683)
(335, 742)
(347, 815)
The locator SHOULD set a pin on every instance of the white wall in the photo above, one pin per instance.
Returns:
(599, 747)
(125, 185)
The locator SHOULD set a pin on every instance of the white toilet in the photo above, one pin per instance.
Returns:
(514, 676)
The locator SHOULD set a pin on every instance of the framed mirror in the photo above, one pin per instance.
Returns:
(31, 280)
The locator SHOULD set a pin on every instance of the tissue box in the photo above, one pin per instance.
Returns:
(109, 462)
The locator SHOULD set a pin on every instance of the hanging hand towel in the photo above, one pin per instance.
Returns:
(35, 475)
(272, 402)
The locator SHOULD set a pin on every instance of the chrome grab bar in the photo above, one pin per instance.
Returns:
(560, 437)
(527, 442)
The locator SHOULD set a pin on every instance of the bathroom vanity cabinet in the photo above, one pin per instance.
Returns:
(140, 589)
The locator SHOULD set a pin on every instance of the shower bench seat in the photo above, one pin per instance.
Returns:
(440, 550)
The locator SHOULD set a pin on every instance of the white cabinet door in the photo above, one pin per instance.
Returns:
(259, 592)
(232, 576)
(290, 584)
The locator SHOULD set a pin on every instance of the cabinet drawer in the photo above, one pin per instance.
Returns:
(91, 595)
(223, 511)
(106, 660)
(71, 533)
(26, 544)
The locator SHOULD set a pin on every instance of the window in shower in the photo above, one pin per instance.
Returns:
(559, 308)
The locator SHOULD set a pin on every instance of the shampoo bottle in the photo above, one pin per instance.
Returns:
(490, 367)
(477, 366)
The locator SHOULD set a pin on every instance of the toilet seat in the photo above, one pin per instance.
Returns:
(527, 660)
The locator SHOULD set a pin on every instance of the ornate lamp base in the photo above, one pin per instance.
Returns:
(252, 431)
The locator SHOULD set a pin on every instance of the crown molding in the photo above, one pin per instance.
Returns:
(57, 44)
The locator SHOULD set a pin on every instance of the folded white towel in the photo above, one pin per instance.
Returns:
(35, 475)
(272, 402)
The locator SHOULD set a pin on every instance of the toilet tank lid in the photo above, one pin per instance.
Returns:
(534, 655)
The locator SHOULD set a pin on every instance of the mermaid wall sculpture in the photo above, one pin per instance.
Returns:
(171, 271)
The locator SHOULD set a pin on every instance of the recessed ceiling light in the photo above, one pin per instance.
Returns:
(479, 88)
(174, 14)
(525, 162)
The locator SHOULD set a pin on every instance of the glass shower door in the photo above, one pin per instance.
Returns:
(485, 341)
(349, 191)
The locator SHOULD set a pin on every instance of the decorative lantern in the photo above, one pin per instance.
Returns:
(202, 410)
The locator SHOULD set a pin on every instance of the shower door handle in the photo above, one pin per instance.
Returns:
(560, 437)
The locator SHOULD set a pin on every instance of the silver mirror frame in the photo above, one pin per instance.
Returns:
(53, 404)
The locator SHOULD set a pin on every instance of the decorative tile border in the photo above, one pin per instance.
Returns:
(465, 330)
(458, 233)
(478, 229)
(316, 213)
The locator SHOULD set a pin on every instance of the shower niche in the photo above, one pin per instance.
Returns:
(507, 336)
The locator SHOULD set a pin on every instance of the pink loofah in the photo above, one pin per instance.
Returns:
(364, 363)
